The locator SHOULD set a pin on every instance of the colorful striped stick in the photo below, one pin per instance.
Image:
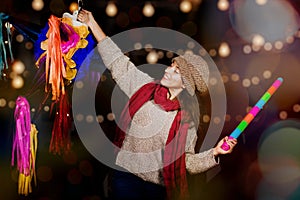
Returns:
(253, 112)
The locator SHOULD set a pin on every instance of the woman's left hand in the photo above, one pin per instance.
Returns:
(231, 142)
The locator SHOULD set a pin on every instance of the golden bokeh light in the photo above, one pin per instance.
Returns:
(37, 5)
(223, 5)
(111, 9)
(17, 82)
(224, 50)
(73, 7)
(185, 6)
(148, 9)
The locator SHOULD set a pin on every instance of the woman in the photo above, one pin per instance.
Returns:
(157, 131)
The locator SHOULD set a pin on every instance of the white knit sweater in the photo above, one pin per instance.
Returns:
(146, 137)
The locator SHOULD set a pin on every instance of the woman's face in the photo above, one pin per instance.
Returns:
(172, 77)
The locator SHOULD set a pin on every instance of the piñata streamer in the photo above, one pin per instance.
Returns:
(60, 141)
(4, 64)
(24, 146)
(253, 112)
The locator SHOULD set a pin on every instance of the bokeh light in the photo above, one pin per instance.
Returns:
(44, 173)
(223, 5)
(279, 160)
(2, 102)
(74, 176)
(224, 50)
(73, 7)
(111, 9)
(275, 20)
(148, 9)
(152, 57)
(185, 6)
(18, 67)
(17, 82)
(37, 5)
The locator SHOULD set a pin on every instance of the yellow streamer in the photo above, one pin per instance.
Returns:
(24, 182)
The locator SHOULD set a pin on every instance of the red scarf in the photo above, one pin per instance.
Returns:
(174, 153)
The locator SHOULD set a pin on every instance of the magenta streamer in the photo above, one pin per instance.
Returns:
(21, 142)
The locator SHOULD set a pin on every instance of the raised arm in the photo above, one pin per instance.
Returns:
(87, 17)
(124, 72)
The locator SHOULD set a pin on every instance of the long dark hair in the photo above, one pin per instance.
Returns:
(196, 106)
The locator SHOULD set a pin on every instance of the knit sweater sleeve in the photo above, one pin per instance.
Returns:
(124, 72)
(198, 162)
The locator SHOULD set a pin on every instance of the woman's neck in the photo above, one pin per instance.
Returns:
(173, 93)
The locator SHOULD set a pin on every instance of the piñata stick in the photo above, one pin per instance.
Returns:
(253, 112)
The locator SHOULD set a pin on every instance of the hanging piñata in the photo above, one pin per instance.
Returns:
(24, 146)
(62, 46)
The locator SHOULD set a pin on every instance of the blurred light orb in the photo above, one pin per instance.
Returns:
(100, 118)
(247, 49)
(111, 9)
(46, 108)
(74, 176)
(11, 104)
(213, 81)
(191, 45)
(296, 107)
(223, 5)
(148, 10)
(152, 57)
(224, 50)
(278, 45)
(278, 157)
(261, 2)
(185, 6)
(73, 7)
(225, 78)
(17, 82)
(122, 19)
(258, 40)
(206, 118)
(246, 83)
(2, 102)
(110, 116)
(267, 74)
(138, 46)
(255, 80)
(217, 120)
(37, 5)
(268, 46)
(89, 118)
(275, 20)
(19, 38)
(212, 52)
(283, 115)
(169, 54)
(235, 77)
(290, 39)
(44, 173)
(79, 84)
(79, 117)
(18, 67)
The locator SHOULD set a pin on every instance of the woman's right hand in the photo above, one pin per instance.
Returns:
(85, 17)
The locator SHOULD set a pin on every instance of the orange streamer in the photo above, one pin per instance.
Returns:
(54, 68)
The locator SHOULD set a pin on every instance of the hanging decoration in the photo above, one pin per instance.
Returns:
(24, 146)
(60, 141)
(3, 56)
(63, 39)
(62, 46)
